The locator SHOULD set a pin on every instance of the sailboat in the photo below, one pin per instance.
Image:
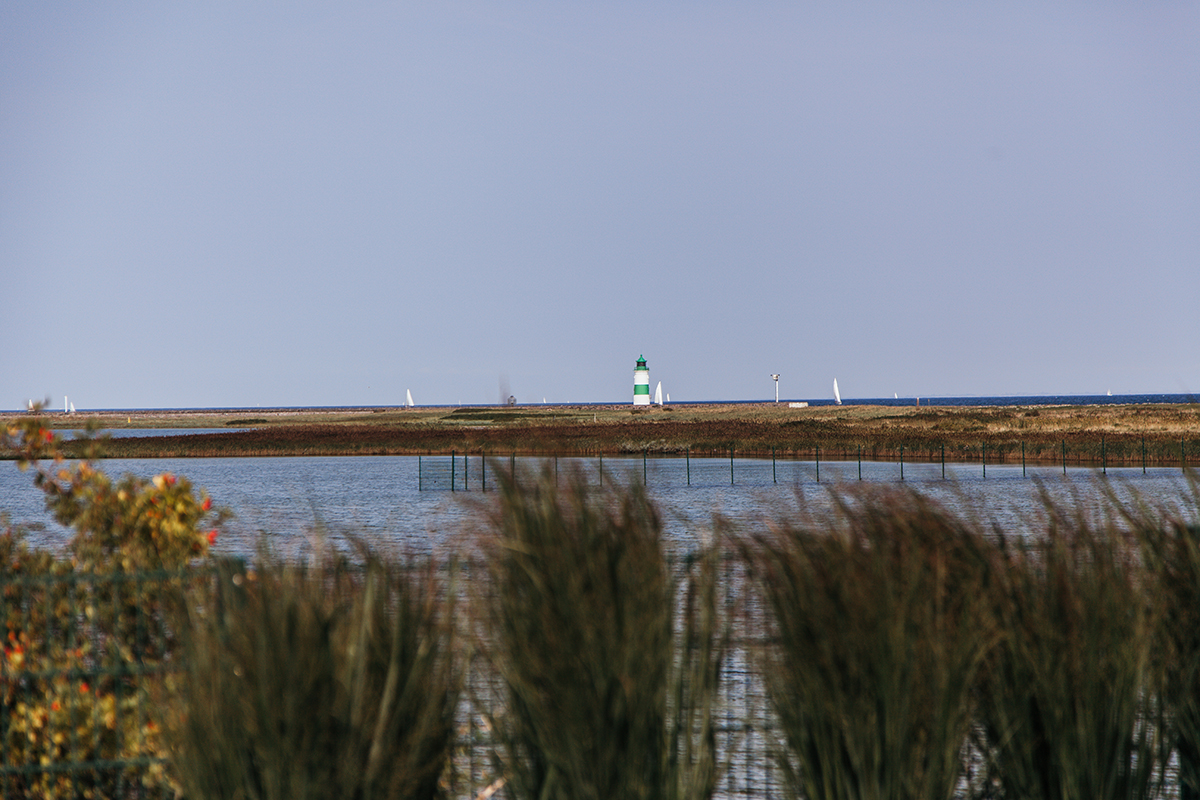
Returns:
(658, 394)
(837, 397)
(409, 401)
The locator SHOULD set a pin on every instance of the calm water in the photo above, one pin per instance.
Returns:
(377, 497)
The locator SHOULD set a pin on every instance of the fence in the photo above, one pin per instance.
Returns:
(85, 652)
(477, 471)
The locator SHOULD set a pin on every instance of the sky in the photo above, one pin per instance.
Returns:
(223, 204)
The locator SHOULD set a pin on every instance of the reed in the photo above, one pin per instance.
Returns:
(328, 679)
(608, 662)
(1171, 553)
(1067, 702)
(879, 632)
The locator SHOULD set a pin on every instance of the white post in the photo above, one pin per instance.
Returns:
(775, 377)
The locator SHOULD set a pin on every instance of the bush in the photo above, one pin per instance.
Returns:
(85, 635)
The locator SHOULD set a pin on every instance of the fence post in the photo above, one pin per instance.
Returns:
(687, 457)
(731, 465)
(1064, 457)
(943, 461)
(602, 469)
(643, 466)
(1143, 454)
(774, 479)
(985, 459)
(1103, 457)
(482, 471)
(452, 460)
(419, 487)
(466, 470)
(1183, 456)
(818, 463)
(860, 462)
(1022, 458)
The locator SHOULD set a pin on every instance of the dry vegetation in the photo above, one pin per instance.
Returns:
(1114, 433)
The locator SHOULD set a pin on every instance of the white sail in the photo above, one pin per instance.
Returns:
(72, 408)
(837, 397)
(409, 401)
(658, 394)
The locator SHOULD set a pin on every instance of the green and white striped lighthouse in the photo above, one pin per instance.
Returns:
(641, 383)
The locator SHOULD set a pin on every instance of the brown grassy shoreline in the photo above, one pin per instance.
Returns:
(1091, 434)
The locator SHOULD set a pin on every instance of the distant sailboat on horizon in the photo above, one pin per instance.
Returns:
(658, 394)
(836, 396)
(409, 401)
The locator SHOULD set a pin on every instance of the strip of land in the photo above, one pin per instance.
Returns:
(1116, 434)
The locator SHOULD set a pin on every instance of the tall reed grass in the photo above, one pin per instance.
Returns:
(608, 660)
(1069, 702)
(1171, 555)
(319, 680)
(879, 631)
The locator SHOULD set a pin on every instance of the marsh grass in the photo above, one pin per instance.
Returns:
(318, 680)
(1171, 554)
(879, 630)
(609, 661)
(1068, 702)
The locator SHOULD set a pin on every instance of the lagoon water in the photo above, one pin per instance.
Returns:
(404, 501)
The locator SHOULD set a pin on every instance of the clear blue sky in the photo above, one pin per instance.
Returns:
(240, 204)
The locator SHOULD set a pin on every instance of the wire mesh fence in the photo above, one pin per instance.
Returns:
(86, 656)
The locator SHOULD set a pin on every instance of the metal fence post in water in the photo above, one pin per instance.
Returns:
(860, 462)
(1103, 457)
(731, 465)
(774, 479)
(901, 462)
(1143, 455)
(419, 487)
(1064, 451)
(943, 461)
(602, 469)
(452, 470)
(818, 463)
(1022, 458)
(687, 457)
(985, 459)
(643, 466)
(482, 471)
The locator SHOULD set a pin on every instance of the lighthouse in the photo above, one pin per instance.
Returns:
(641, 383)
